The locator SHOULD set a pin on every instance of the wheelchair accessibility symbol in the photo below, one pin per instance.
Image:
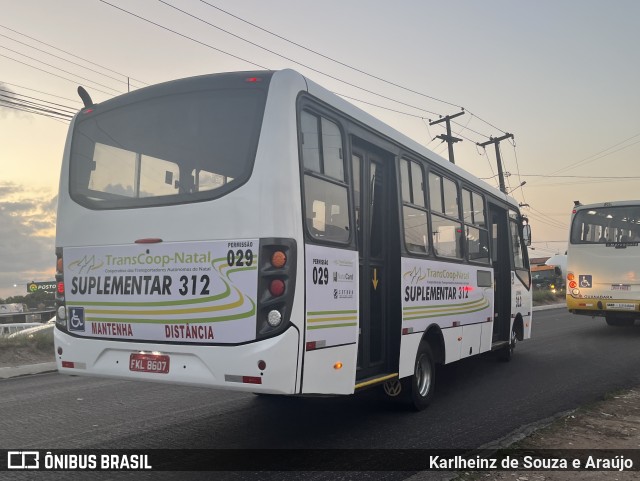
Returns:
(585, 281)
(76, 319)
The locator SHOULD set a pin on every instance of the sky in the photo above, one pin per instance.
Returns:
(561, 76)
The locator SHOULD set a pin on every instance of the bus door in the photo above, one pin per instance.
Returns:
(372, 173)
(501, 260)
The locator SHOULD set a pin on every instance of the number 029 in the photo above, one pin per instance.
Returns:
(240, 258)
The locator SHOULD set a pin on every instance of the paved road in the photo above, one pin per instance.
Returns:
(570, 361)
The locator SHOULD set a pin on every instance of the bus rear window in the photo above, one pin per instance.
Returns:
(606, 225)
(166, 150)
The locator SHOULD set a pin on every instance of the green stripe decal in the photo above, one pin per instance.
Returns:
(443, 311)
(331, 319)
(441, 305)
(327, 313)
(202, 320)
(328, 326)
(334, 318)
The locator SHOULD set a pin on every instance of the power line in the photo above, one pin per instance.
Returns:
(349, 66)
(14, 94)
(32, 107)
(50, 73)
(258, 46)
(62, 70)
(184, 36)
(39, 91)
(590, 159)
(71, 54)
(385, 108)
(581, 176)
(65, 60)
(277, 54)
(10, 99)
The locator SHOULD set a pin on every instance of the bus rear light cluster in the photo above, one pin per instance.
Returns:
(61, 311)
(276, 283)
(573, 284)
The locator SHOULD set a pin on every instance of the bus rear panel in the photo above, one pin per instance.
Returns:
(603, 259)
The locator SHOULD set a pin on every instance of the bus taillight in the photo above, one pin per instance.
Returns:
(61, 312)
(276, 285)
(278, 259)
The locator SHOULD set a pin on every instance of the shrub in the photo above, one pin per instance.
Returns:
(543, 296)
(38, 341)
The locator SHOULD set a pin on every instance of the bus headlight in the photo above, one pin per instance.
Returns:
(575, 292)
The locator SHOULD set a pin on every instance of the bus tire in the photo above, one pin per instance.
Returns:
(613, 320)
(505, 354)
(419, 388)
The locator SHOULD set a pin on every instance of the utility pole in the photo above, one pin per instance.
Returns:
(496, 142)
(448, 138)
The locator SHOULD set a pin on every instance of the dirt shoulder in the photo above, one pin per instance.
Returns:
(613, 423)
(13, 356)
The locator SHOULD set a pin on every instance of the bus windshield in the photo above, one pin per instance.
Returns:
(606, 224)
(165, 149)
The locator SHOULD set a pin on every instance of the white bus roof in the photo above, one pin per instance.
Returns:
(388, 131)
(610, 203)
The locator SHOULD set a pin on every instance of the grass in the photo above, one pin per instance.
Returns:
(542, 297)
(39, 341)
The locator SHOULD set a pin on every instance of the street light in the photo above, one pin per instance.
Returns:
(516, 188)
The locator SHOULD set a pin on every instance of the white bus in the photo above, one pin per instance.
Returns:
(254, 231)
(603, 261)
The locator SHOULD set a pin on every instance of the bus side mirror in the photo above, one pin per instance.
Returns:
(526, 234)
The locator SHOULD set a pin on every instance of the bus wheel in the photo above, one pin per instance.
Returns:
(506, 353)
(613, 320)
(419, 388)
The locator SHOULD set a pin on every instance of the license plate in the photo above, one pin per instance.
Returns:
(157, 363)
(623, 306)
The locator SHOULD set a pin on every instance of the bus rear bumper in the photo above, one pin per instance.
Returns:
(226, 367)
(602, 307)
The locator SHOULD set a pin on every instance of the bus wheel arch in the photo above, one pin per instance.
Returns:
(419, 388)
(518, 327)
(517, 334)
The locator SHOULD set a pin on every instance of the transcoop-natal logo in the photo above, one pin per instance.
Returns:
(85, 265)
(91, 263)
(417, 275)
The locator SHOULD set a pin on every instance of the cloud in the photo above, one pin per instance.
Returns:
(27, 236)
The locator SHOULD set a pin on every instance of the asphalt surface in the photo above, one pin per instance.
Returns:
(570, 361)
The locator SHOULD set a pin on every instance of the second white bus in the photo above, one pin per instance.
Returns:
(603, 261)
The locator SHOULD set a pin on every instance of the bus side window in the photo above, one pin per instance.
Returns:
(446, 229)
(325, 190)
(477, 236)
(414, 213)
